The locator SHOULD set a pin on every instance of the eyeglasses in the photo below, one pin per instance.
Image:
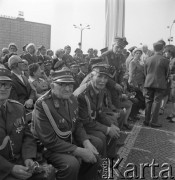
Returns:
(7, 85)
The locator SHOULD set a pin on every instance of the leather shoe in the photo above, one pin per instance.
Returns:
(155, 125)
(146, 123)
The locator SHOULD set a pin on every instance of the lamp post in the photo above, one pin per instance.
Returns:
(81, 28)
(170, 27)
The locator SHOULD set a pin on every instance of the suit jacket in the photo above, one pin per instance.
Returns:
(30, 59)
(22, 145)
(156, 72)
(91, 113)
(21, 91)
(65, 119)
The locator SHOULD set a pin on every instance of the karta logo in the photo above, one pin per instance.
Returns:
(111, 169)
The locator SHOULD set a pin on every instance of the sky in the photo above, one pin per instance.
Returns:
(146, 21)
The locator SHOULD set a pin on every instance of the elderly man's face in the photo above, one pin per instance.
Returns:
(62, 90)
(99, 80)
(5, 88)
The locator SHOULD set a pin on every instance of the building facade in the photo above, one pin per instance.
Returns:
(22, 32)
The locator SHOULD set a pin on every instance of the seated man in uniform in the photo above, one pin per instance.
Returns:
(92, 102)
(56, 124)
(17, 146)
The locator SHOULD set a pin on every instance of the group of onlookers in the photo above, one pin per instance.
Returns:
(80, 104)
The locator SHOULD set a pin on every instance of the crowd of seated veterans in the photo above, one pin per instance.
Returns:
(80, 106)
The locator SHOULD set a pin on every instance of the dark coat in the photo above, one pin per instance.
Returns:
(20, 91)
(13, 124)
(66, 120)
(30, 59)
(156, 72)
(117, 60)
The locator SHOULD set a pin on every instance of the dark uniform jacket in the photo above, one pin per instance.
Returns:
(118, 61)
(31, 59)
(66, 120)
(91, 107)
(80, 77)
(156, 72)
(16, 141)
(21, 91)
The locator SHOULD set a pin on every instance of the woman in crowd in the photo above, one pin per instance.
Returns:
(38, 79)
(136, 70)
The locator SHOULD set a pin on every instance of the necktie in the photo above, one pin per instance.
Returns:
(65, 104)
(2, 112)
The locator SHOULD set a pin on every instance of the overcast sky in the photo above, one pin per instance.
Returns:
(146, 20)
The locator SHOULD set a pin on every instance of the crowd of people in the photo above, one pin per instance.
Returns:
(60, 115)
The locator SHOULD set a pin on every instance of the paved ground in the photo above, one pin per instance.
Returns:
(149, 147)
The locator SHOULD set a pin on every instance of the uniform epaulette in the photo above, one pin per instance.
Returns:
(44, 97)
(14, 101)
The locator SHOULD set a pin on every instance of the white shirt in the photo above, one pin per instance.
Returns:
(19, 76)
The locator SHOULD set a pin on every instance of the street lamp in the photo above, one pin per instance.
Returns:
(81, 28)
(170, 27)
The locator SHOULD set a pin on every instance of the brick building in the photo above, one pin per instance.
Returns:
(21, 32)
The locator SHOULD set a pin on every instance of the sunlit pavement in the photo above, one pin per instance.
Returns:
(151, 147)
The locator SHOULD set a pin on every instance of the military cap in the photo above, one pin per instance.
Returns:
(120, 41)
(83, 64)
(102, 69)
(74, 65)
(5, 74)
(104, 50)
(62, 76)
(95, 60)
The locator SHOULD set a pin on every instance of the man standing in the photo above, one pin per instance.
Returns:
(156, 73)
(115, 58)
(57, 127)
